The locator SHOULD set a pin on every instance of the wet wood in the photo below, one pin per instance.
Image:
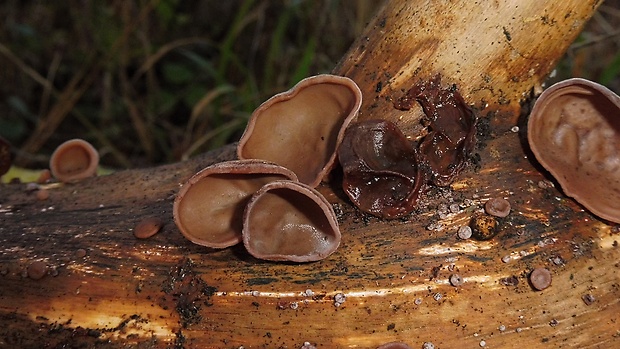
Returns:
(394, 275)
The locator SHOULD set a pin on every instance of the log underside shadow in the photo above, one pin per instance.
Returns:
(394, 274)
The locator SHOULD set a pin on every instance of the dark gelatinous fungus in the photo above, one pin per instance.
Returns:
(498, 207)
(208, 210)
(574, 132)
(5, 156)
(148, 227)
(394, 345)
(290, 221)
(381, 174)
(74, 160)
(452, 128)
(301, 129)
(540, 278)
(37, 270)
(484, 227)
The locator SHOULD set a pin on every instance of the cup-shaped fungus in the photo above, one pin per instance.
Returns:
(290, 221)
(381, 173)
(498, 207)
(208, 210)
(452, 129)
(574, 132)
(301, 129)
(74, 160)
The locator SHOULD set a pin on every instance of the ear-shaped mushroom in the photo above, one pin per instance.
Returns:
(574, 132)
(301, 129)
(208, 210)
(452, 129)
(381, 172)
(287, 220)
(74, 160)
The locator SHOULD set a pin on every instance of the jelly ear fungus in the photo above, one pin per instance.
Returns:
(380, 169)
(574, 132)
(74, 160)
(385, 174)
(452, 129)
(290, 221)
(208, 210)
(301, 129)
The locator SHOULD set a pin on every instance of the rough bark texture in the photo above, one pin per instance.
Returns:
(165, 292)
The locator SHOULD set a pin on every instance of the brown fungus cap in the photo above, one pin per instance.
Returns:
(574, 132)
(148, 227)
(498, 207)
(208, 210)
(290, 221)
(452, 129)
(381, 172)
(540, 278)
(37, 270)
(301, 129)
(74, 160)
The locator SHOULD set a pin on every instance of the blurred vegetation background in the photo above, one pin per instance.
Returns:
(157, 81)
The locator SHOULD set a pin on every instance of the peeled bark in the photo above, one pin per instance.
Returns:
(389, 280)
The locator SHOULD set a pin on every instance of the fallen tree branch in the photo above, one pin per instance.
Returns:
(389, 280)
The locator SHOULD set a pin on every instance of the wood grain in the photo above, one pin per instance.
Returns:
(165, 292)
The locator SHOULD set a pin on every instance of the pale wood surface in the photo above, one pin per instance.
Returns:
(166, 292)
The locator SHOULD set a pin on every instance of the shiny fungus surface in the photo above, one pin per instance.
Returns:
(574, 132)
(74, 160)
(290, 221)
(301, 129)
(452, 129)
(208, 210)
(148, 227)
(381, 174)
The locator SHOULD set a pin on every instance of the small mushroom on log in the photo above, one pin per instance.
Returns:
(74, 160)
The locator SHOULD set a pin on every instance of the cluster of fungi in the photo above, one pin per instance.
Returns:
(267, 199)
